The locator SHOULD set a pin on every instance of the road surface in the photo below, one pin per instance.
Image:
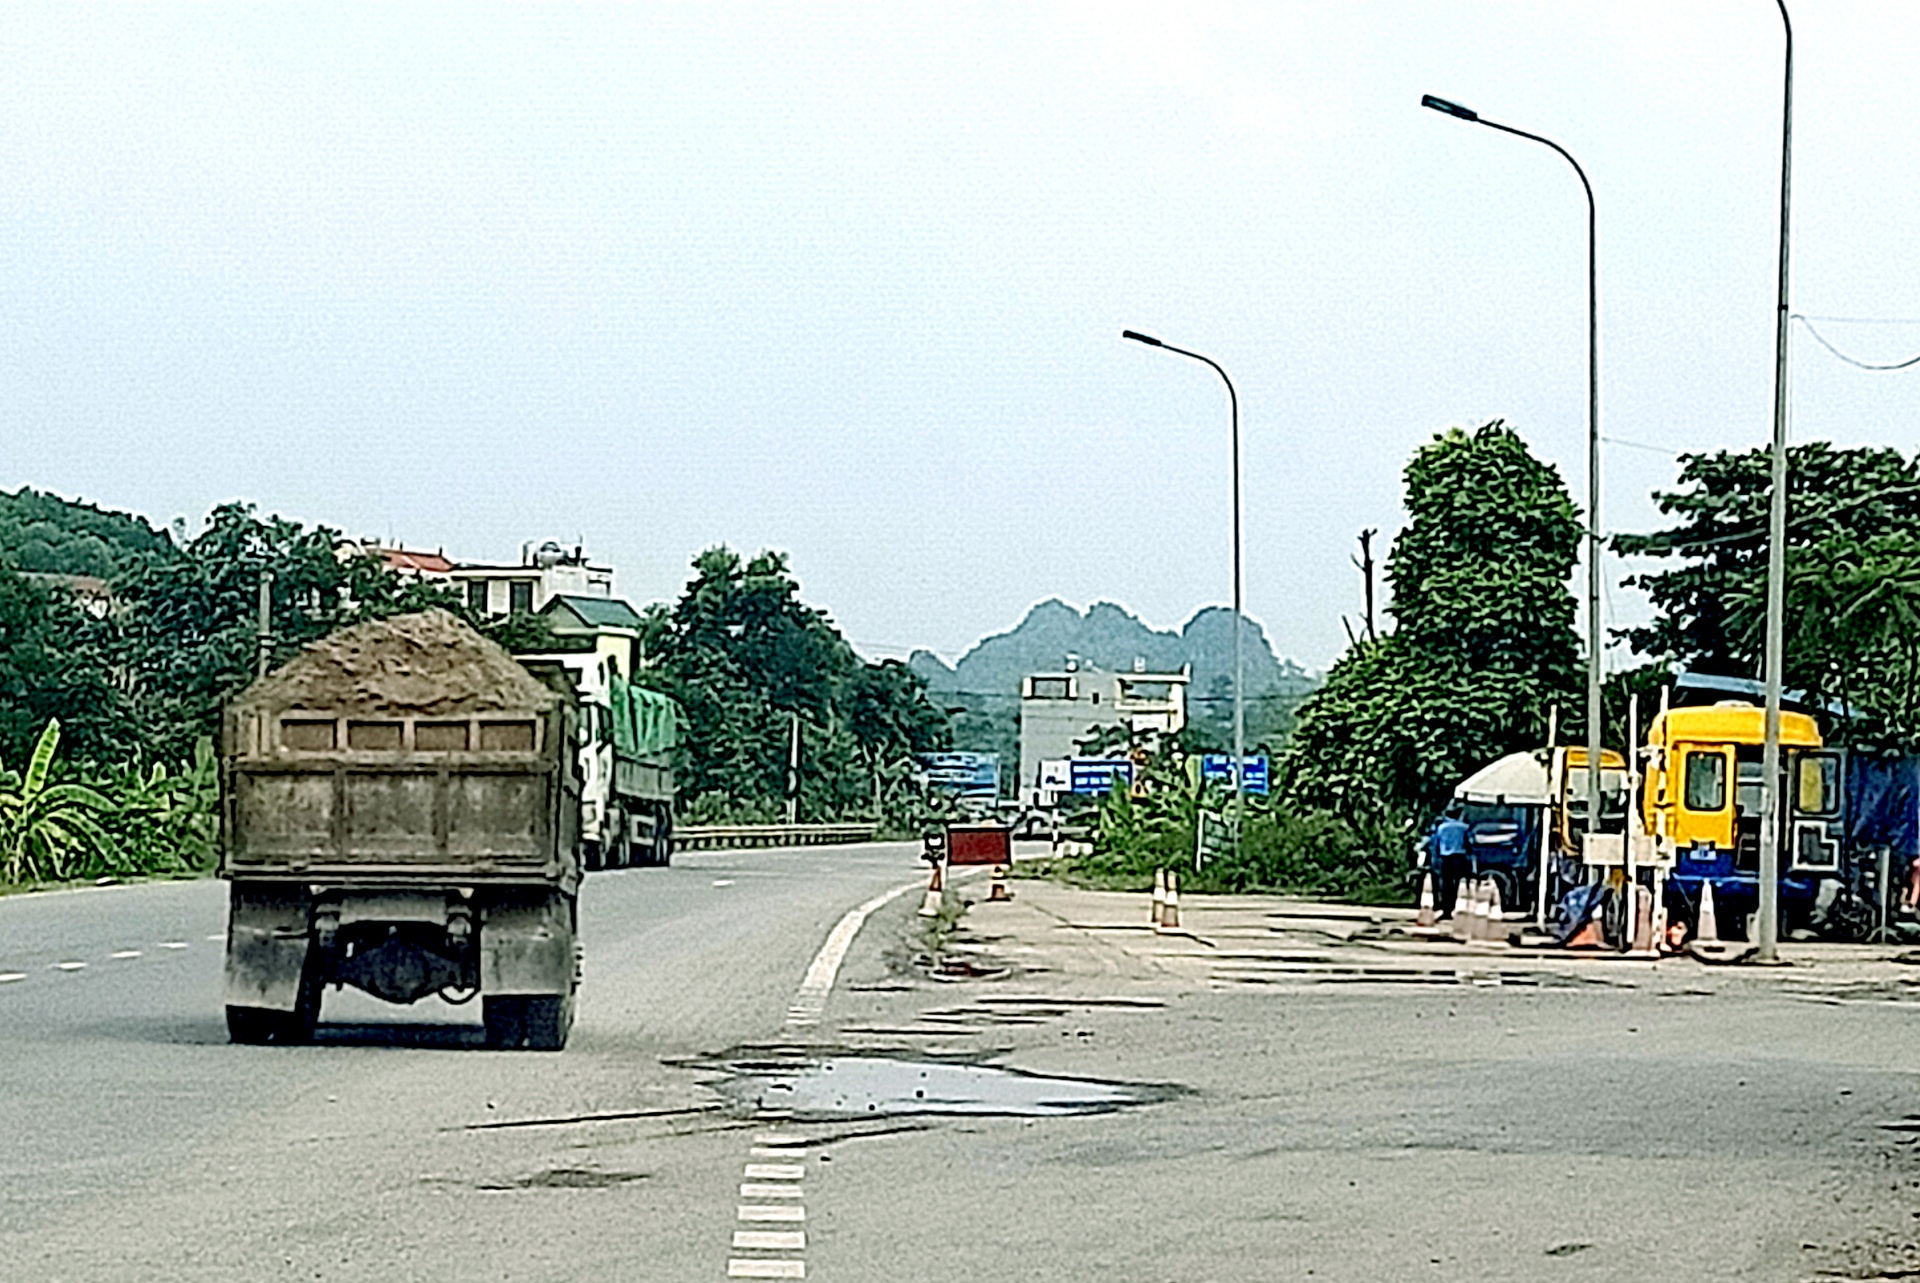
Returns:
(1305, 1109)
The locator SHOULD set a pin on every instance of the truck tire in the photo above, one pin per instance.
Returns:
(534, 1023)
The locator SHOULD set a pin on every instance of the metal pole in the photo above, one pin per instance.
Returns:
(1593, 445)
(1767, 933)
(793, 774)
(263, 651)
(1239, 685)
(1546, 821)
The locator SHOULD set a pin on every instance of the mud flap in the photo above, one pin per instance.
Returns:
(266, 946)
(526, 947)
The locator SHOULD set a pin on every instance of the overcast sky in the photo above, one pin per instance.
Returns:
(848, 281)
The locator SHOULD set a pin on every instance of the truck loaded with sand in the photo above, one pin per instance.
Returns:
(401, 812)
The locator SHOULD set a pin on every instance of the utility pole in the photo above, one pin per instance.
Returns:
(793, 773)
(263, 652)
(1365, 562)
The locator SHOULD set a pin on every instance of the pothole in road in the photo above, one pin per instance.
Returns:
(867, 1085)
(566, 1178)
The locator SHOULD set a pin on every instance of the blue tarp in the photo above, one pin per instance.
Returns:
(1883, 804)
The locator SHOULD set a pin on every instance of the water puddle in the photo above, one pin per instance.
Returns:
(868, 1085)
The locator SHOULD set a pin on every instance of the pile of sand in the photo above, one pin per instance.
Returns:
(428, 664)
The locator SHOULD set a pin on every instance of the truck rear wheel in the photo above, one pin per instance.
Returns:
(535, 1023)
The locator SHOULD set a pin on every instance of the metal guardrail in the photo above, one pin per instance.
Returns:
(714, 837)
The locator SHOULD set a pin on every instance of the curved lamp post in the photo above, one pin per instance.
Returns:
(1593, 451)
(1239, 697)
(1767, 932)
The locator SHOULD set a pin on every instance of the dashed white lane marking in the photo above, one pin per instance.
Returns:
(8, 977)
(770, 1240)
(811, 998)
(219, 938)
(766, 1269)
(775, 1171)
(771, 1212)
(751, 1190)
(68, 966)
(125, 953)
(173, 944)
(723, 882)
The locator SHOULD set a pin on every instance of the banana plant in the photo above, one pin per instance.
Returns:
(48, 831)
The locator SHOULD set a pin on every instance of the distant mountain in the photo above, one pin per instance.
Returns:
(45, 534)
(1108, 636)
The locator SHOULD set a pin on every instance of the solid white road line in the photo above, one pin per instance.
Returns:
(770, 1240)
(774, 1172)
(811, 998)
(768, 1212)
(771, 1191)
(766, 1269)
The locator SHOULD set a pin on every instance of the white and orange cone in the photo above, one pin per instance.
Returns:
(1159, 907)
(1425, 917)
(931, 902)
(1170, 910)
(1707, 929)
(1462, 911)
(997, 888)
(1496, 913)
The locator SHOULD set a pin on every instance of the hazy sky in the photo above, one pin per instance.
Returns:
(848, 281)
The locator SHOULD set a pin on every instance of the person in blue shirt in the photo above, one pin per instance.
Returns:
(1447, 857)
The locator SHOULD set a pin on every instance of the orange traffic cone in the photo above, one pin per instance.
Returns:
(1462, 910)
(931, 902)
(997, 885)
(1426, 915)
(1159, 908)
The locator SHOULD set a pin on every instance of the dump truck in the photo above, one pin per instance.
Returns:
(628, 736)
(400, 812)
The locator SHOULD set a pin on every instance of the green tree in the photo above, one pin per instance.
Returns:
(1483, 643)
(745, 657)
(186, 635)
(52, 665)
(1852, 586)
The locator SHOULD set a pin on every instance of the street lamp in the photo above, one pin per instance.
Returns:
(1239, 671)
(1768, 932)
(1593, 454)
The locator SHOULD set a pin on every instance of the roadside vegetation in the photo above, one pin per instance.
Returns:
(119, 644)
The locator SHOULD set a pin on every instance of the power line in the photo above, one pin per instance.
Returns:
(1850, 360)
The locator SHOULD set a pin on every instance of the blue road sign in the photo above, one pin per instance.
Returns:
(968, 774)
(1217, 768)
(1094, 776)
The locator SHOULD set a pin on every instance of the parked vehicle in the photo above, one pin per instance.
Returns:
(1701, 803)
(401, 808)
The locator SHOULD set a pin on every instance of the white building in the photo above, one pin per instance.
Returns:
(542, 574)
(1059, 710)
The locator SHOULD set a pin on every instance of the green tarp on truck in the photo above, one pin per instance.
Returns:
(645, 723)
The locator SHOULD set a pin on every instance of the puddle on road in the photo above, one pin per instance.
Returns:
(866, 1085)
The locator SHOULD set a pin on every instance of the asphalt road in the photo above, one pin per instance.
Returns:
(1303, 1118)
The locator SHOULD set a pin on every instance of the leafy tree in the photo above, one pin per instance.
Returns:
(45, 534)
(1852, 579)
(745, 657)
(47, 828)
(187, 636)
(1483, 644)
(52, 665)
